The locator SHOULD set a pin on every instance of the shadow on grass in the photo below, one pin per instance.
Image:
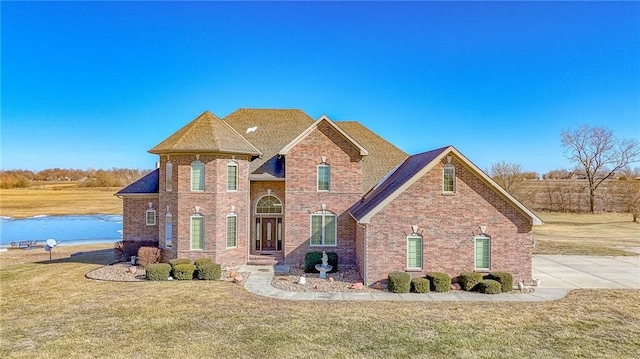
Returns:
(101, 256)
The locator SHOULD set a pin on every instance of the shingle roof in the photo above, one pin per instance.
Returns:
(268, 130)
(147, 184)
(206, 133)
(383, 156)
(405, 171)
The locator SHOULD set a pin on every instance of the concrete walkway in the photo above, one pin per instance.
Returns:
(558, 275)
(259, 282)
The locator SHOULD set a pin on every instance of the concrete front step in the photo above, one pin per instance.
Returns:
(264, 259)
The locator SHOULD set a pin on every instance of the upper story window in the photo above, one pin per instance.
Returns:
(232, 176)
(169, 177)
(150, 217)
(414, 251)
(448, 179)
(168, 231)
(482, 252)
(324, 229)
(197, 176)
(232, 230)
(324, 177)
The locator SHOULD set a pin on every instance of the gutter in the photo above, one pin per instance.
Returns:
(364, 258)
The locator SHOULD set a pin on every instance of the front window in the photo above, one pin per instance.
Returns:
(449, 179)
(151, 217)
(269, 205)
(323, 229)
(232, 177)
(197, 176)
(232, 230)
(197, 232)
(483, 253)
(414, 251)
(168, 231)
(324, 177)
(169, 177)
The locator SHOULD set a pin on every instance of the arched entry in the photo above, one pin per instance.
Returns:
(268, 224)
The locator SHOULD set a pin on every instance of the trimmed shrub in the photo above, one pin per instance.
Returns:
(158, 271)
(209, 271)
(200, 261)
(489, 286)
(399, 282)
(505, 279)
(440, 282)
(420, 285)
(313, 258)
(123, 250)
(175, 262)
(183, 271)
(149, 255)
(469, 280)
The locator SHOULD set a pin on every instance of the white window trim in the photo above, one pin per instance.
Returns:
(168, 186)
(168, 234)
(203, 176)
(318, 177)
(323, 214)
(191, 232)
(412, 236)
(475, 253)
(231, 215)
(146, 217)
(235, 165)
(444, 170)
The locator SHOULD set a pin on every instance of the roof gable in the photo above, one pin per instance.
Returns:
(410, 171)
(314, 125)
(206, 133)
(147, 184)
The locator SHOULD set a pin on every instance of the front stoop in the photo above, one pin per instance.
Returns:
(269, 259)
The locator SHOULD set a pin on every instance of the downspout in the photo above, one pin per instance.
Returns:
(364, 257)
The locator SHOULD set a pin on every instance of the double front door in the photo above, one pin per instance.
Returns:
(268, 234)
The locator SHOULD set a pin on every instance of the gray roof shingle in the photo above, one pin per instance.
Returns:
(147, 184)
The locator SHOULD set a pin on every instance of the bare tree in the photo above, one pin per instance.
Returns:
(628, 186)
(599, 154)
(511, 177)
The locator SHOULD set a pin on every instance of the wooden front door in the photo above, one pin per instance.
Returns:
(269, 234)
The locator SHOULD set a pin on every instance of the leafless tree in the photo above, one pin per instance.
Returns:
(628, 186)
(511, 177)
(595, 150)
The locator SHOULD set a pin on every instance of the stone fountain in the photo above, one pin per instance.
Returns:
(324, 267)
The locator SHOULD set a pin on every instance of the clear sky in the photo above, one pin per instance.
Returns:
(97, 84)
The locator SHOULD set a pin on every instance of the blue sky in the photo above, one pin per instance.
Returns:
(97, 84)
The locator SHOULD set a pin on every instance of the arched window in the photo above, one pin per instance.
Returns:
(269, 205)
(448, 179)
(324, 228)
(414, 251)
(197, 176)
(168, 230)
(232, 176)
(232, 230)
(482, 252)
(197, 231)
(324, 177)
(169, 177)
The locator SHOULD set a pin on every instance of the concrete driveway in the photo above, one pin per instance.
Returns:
(574, 272)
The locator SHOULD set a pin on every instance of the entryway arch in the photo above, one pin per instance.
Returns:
(268, 224)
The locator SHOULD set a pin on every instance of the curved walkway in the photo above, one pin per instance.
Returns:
(558, 274)
(259, 282)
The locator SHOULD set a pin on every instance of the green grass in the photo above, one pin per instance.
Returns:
(604, 234)
(49, 310)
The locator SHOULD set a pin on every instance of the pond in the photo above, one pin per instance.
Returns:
(74, 229)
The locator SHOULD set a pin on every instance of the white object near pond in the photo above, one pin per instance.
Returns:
(324, 267)
(302, 280)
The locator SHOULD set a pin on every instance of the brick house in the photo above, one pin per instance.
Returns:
(271, 185)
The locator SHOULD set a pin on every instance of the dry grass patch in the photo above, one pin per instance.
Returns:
(586, 234)
(51, 310)
(59, 200)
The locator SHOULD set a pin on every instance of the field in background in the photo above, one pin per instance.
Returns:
(49, 309)
(59, 199)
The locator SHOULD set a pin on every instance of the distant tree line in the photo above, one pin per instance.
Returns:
(115, 177)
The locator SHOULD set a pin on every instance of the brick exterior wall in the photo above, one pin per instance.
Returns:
(448, 224)
(303, 199)
(134, 224)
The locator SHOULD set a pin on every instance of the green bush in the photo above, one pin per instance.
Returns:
(440, 282)
(175, 262)
(209, 271)
(399, 282)
(158, 271)
(200, 261)
(505, 279)
(420, 285)
(469, 280)
(313, 258)
(489, 286)
(183, 271)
